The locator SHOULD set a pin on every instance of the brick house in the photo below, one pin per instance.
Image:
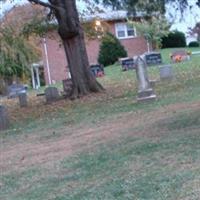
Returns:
(53, 56)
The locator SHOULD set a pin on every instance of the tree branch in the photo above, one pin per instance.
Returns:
(47, 5)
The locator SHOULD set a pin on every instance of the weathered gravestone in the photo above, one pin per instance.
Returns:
(153, 58)
(97, 70)
(51, 94)
(127, 63)
(14, 90)
(67, 87)
(180, 55)
(23, 100)
(145, 92)
(4, 121)
(166, 72)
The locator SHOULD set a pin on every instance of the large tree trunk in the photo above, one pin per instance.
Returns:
(72, 36)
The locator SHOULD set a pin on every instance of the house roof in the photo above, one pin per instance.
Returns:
(110, 16)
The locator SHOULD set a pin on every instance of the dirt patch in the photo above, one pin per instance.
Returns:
(32, 151)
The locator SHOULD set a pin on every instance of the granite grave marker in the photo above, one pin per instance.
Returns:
(145, 92)
(23, 100)
(153, 58)
(127, 63)
(51, 94)
(97, 70)
(166, 72)
(14, 90)
(67, 87)
(4, 121)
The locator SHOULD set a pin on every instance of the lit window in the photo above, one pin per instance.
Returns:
(123, 30)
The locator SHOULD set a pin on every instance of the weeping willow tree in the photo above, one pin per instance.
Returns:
(16, 55)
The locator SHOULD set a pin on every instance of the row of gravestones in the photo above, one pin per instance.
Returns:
(140, 64)
(51, 94)
(151, 59)
(145, 91)
(155, 58)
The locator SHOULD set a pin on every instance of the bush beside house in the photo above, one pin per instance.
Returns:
(194, 44)
(174, 39)
(110, 50)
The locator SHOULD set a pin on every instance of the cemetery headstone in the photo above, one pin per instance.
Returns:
(51, 94)
(67, 87)
(15, 89)
(127, 63)
(97, 70)
(180, 55)
(153, 58)
(166, 72)
(4, 121)
(23, 100)
(153, 83)
(145, 92)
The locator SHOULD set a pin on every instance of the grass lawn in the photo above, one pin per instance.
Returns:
(108, 146)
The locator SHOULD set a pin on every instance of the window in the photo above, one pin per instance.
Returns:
(130, 31)
(123, 30)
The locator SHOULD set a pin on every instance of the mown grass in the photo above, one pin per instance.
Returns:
(165, 166)
(162, 164)
(136, 168)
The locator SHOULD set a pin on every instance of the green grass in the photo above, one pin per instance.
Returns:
(135, 169)
(155, 160)
(182, 121)
(132, 167)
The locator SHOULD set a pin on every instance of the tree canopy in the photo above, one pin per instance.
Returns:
(196, 31)
(153, 29)
(145, 5)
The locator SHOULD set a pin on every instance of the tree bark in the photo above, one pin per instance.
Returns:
(2, 86)
(72, 35)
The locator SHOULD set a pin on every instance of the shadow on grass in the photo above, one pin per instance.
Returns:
(183, 120)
